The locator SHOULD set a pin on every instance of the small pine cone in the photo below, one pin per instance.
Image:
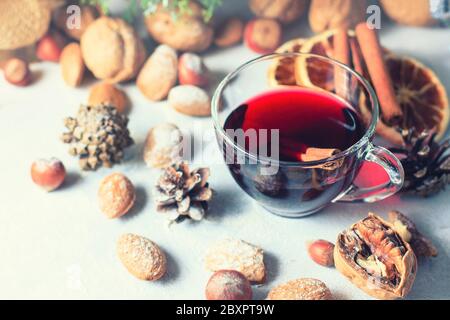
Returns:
(182, 193)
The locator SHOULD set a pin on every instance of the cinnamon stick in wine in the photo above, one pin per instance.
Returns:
(341, 54)
(373, 56)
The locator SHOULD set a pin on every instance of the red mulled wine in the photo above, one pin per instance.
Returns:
(305, 119)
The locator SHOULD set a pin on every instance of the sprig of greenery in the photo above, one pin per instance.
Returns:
(150, 6)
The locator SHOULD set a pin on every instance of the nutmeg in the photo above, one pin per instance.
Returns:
(112, 50)
(116, 195)
(329, 14)
(184, 31)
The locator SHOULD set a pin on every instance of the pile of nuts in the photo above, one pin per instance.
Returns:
(98, 135)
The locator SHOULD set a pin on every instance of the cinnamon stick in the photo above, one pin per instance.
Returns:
(341, 54)
(341, 46)
(357, 59)
(316, 154)
(373, 56)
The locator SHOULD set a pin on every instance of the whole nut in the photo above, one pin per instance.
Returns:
(116, 194)
(190, 100)
(301, 289)
(17, 72)
(329, 14)
(88, 15)
(163, 145)
(48, 174)
(110, 94)
(159, 73)
(112, 50)
(141, 257)
(48, 48)
(285, 11)
(192, 70)
(186, 32)
(321, 252)
(229, 33)
(228, 285)
(72, 64)
(263, 36)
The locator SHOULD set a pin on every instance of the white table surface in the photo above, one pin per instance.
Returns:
(59, 245)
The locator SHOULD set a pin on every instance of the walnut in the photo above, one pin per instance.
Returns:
(184, 31)
(329, 14)
(421, 245)
(376, 258)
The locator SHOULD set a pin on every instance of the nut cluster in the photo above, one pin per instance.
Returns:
(98, 135)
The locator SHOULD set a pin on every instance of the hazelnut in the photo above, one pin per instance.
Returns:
(88, 15)
(192, 70)
(228, 285)
(262, 35)
(285, 11)
(110, 94)
(49, 174)
(321, 252)
(17, 72)
(116, 195)
(48, 49)
(229, 33)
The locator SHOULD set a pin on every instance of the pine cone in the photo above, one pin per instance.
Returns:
(426, 162)
(181, 193)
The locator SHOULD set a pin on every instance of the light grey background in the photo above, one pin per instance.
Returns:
(59, 245)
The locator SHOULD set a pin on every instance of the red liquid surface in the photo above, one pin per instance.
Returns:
(304, 117)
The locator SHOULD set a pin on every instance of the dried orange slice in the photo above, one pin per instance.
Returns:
(313, 72)
(420, 93)
(282, 71)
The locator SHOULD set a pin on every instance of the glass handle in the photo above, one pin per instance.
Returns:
(394, 170)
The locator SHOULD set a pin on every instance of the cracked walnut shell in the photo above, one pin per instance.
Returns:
(235, 254)
(373, 256)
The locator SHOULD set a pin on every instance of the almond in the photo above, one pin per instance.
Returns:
(159, 73)
(108, 93)
(141, 257)
(72, 65)
(190, 100)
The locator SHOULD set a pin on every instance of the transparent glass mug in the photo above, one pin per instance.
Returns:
(297, 189)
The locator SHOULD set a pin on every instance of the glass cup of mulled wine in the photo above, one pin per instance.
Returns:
(295, 148)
